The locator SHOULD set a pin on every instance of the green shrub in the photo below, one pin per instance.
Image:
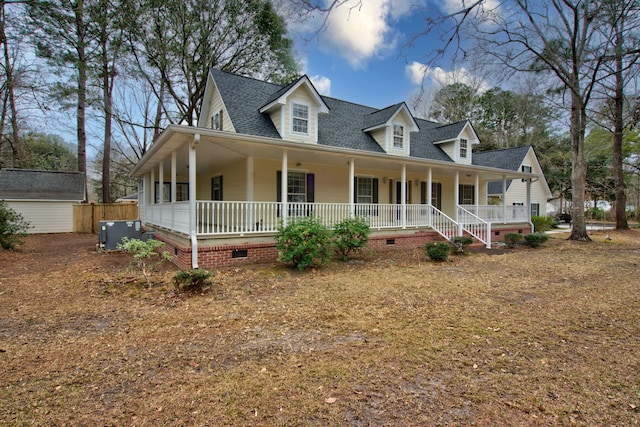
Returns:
(305, 242)
(536, 239)
(145, 255)
(195, 280)
(542, 223)
(13, 227)
(438, 251)
(513, 239)
(461, 242)
(350, 235)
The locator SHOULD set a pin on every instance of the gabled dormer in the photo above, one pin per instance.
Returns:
(457, 140)
(391, 128)
(294, 111)
(214, 114)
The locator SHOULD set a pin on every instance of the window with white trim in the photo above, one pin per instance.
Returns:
(300, 119)
(398, 136)
(526, 169)
(466, 194)
(464, 146)
(297, 187)
(364, 189)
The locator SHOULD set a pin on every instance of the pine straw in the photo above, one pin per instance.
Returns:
(515, 337)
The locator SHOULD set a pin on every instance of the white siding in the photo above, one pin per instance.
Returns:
(45, 217)
(215, 106)
(299, 96)
(517, 192)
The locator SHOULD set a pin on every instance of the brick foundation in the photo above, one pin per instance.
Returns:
(231, 255)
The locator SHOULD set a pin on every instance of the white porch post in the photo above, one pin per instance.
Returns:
(283, 189)
(504, 199)
(174, 187)
(144, 200)
(403, 196)
(352, 177)
(529, 203)
(161, 182)
(251, 223)
(429, 194)
(456, 195)
(476, 196)
(192, 201)
(161, 190)
(152, 193)
(174, 181)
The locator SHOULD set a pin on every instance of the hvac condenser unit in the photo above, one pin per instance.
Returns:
(112, 232)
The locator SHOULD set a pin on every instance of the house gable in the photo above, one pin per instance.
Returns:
(294, 111)
(514, 159)
(391, 128)
(214, 114)
(457, 141)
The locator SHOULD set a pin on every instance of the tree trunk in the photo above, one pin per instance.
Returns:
(16, 143)
(578, 118)
(82, 92)
(621, 199)
(106, 155)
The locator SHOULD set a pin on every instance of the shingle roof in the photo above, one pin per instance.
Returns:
(243, 97)
(342, 127)
(507, 158)
(380, 117)
(26, 184)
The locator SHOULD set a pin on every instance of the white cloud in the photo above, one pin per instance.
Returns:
(421, 74)
(358, 30)
(322, 84)
(452, 6)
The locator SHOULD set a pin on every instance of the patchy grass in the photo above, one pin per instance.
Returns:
(547, 336)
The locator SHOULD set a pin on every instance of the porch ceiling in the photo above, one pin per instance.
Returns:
(216, 149)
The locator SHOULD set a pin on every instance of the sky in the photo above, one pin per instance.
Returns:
(363, 56)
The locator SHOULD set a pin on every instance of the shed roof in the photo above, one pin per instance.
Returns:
(29, 184)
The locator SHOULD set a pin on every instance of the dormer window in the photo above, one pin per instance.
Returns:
(300, 119)
(463, 148)
(216, 121)
(398, 136)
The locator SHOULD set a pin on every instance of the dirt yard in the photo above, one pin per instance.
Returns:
(547, 336)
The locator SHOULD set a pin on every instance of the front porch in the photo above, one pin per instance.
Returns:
(237, 226)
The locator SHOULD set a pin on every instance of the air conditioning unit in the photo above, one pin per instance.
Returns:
(112, 232)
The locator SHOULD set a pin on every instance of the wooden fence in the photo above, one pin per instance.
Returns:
(87, 217)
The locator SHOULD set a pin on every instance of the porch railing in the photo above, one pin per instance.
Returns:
(499, 213)
(474, 225)
(240, 218)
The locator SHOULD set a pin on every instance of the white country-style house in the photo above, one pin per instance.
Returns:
(263, 154)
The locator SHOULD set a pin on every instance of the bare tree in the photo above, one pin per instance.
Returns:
(620, 27)
(9, 105)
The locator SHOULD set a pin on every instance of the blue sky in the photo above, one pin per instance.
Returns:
(362, 56)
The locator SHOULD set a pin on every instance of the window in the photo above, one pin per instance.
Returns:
(366, 189)
(300, 119)
(535, 209)
(297, 187)
(182, 191)
(466, 194)
(216, 188)
(526, 169)
(436, 194)
(463, 148)
(216, 121)
(398, 136)
(300, 186)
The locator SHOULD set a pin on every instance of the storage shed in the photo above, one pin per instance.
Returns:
(44, 198)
